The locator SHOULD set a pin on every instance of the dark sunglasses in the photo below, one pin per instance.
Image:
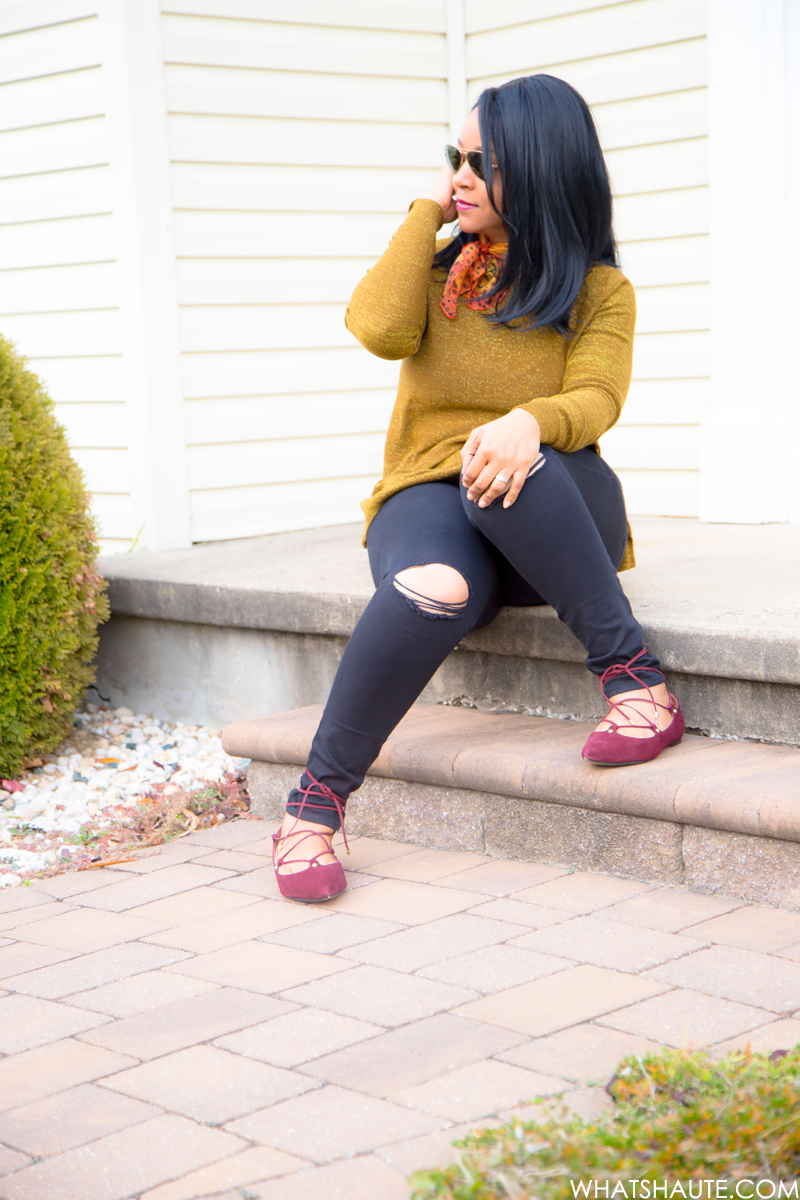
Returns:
(455, 156)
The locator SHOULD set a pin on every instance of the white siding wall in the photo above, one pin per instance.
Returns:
(298, 135)
(641, 65)
(59, 294)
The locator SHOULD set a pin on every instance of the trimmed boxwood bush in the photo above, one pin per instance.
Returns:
(51, 596)
(679, 1117)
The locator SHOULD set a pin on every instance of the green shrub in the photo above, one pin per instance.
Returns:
(51, 596)
(679, 1116)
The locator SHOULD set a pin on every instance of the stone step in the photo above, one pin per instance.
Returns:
(223, 630)
(717, 816)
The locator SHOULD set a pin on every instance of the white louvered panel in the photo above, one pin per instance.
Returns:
(78, 193)
(667, 402)
(291, 460)
(670, 214)
(69, 97)
(252, 511)
(271, 45)
(225, 91)
(19, 15)
(264, 327)
(214, 422)
(285, 372)
(52, 243)
(69, 46)
(65, 334)
(671, 355)
(94, 425)
(282, 235)
(650, 71)
(311, 189)
(664, 167)
(105, 470)
(80, 379)
(661, 493)
(117, 521)
(267, 140)
(668, 261)
(583, 34)
(237, 281)
(673, 309)
(416, 16)
(53, 147)
(653, 447)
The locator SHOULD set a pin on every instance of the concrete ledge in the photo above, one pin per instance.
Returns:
(718, 816)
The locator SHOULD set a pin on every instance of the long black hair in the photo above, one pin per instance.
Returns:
(556, 198)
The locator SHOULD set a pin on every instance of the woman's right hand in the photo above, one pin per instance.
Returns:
(442, 193)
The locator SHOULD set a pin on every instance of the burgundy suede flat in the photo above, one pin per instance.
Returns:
(614, 749)
(319, 881)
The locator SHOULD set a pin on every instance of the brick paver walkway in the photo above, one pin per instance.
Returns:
(171, 1028)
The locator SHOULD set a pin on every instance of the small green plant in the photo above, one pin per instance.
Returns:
(678, 1116)
(51, 596)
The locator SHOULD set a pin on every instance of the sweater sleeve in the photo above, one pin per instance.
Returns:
(388, 310)
(596, 378)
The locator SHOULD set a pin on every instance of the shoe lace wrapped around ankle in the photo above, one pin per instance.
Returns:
(628, 668)
(315, 788)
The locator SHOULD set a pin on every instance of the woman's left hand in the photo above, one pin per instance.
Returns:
(508, 446)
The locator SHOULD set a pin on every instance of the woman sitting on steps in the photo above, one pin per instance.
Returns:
(517, 338)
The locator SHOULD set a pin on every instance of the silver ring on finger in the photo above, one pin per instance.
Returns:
(502, 478)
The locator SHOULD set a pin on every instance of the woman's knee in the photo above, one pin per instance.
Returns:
(434, 590)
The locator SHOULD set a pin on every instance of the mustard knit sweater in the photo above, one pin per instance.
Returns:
(462, 373)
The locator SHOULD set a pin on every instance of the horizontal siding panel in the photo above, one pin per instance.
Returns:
(271, 45)
(671, 214)
(250, 512)
(665, 167)
(649, 71)
(661, 493)
(58, 289)
(260, 418)
(85, 192)
(53, 243)
(667, 402)
(267, 141)
(264, 327)
(483, 15)
(18, 15)
(66, 334)
(673, 309)
(66, 47)
(116, 520)
(653, 447)
(289, 235)
(56, 98)
(249, 464)
(424, 16)
(653, 119)
(219, 91)
(96, 425)
(104, 470)
(81, 379)
(671, 355)
(54, 148)
(267, 280)
(588, 34)
(257, 187)
(671, 260)
(285, 372)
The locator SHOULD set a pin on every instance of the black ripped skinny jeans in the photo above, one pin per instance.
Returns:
(560, 543)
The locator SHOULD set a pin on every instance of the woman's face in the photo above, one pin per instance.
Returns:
(475, 213)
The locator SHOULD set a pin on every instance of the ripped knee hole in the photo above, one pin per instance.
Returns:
(434, 607)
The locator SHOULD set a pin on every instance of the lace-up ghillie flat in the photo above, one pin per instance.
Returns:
(317, 881)
(611, 748)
